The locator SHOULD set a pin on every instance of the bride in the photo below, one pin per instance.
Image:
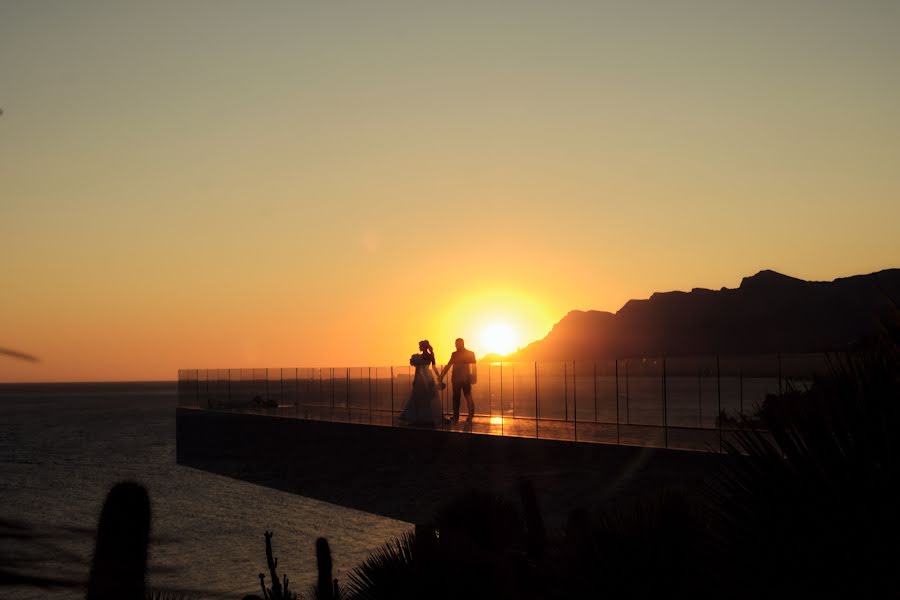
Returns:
(424, 404)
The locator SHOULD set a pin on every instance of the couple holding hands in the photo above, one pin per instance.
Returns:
(424, 404)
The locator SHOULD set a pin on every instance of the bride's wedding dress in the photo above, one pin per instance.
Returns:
(424, 404)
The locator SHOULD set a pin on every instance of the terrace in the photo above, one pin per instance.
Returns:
(583, 433)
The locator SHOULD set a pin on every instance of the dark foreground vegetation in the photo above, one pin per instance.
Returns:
(807, 505)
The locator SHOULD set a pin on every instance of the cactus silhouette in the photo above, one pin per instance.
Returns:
(327, 587)
(118, 570)
(279, 589)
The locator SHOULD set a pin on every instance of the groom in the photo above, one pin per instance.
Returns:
(463, 378)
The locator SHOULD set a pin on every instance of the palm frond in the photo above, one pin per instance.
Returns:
(812, 502)
(388, 573)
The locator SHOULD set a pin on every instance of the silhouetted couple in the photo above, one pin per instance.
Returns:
(424, 404)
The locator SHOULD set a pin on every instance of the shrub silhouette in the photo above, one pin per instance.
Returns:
(805, 505)
(536, 534)
(475, 548)
(812, 506)
(654, 547)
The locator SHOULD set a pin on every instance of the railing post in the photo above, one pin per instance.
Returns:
(513, 376)
(370, 395)
(443, 403)
(490, 396)
(719, 399)
(566, 390)
(537, 408)
(665, 407)
(595, 392)
(618, 436)
(741, 389)
(575, 400)
(627, 397)
(392, 396)
(501, 399)
(349, 409)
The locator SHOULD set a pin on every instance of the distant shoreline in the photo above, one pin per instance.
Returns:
(87, 386)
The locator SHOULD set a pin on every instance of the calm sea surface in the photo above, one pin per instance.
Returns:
(63, 446)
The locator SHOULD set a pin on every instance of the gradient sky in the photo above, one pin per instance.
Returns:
(225, 184)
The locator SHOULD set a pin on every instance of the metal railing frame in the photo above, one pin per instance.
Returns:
(248, 393)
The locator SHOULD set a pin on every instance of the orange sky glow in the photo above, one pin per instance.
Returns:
(220, 184)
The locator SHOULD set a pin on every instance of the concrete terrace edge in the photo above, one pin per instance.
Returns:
(407, 474)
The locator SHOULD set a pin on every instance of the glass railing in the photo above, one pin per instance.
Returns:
(691, 403)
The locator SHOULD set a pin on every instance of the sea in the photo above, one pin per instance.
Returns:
(62, 447)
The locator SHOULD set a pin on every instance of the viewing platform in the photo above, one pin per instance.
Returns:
(583, 433)
(679, 403)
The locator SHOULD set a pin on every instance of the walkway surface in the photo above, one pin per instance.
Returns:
(591, 432)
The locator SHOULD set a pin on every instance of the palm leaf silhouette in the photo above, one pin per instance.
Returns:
(18, 355)
(813, 504)
(388, 572)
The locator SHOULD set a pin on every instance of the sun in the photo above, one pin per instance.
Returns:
(499, 338)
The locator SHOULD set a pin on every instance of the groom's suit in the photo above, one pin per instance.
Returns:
(462, 379)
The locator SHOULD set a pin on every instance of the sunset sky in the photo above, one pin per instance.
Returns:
(236, 184)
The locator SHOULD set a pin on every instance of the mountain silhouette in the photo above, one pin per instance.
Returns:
(768, 313)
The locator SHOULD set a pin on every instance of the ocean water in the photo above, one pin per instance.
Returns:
(63, 446)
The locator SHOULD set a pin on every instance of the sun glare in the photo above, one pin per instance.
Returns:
(499, 338)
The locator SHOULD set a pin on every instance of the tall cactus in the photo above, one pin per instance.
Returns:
(118, 570)
(327, 587)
